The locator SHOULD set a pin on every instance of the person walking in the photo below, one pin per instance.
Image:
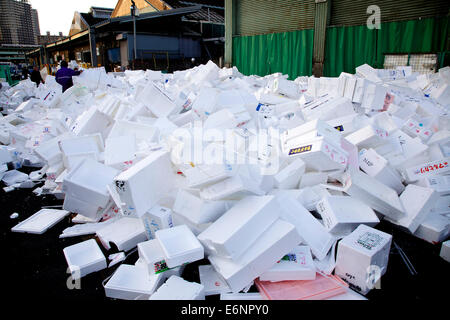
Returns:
(64, 75)
(36, 76)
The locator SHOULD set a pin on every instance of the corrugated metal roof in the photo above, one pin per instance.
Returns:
(354, 12)
(261, 17)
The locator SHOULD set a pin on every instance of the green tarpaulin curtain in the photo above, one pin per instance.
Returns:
(286, 52)
(345, 48)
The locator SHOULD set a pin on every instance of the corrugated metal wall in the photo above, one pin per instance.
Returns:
(261, 16)
(354, 12)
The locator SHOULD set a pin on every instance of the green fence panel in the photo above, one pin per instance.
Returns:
(287, 52)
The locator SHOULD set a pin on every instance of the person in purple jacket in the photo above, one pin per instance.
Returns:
(64, 75)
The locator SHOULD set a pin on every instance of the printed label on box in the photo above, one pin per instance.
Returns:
(300, 149)
(369, 240)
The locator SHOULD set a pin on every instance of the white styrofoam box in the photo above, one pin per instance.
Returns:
(197, 210)
(201, 176)
(52, 96)
(205, 102)
(178, 220)
(296, 265)
(377, 167)
(442, 205)
(320, 154)
(241, 296)
(5, 128)
(374, 96)
(233, 188)
(146, 182)
(367, 72)
(74, 204)
(54, 170)
(433, 168)
(345, 124)
(445, 251)
(49, 150)
(180, 246)
(132, 283)
(310, 179)
(327, 109)
(212, 281)
(373, 193)
(157, 218)
(412, 151)
(157, 100)
(41, 221)
(152, 256)
(238, 228)
(289, 177)
(222, 119)
(308, 131)
(88, 181)
(91, 144)
(367, 137)
(141, 131)
(310, 230)
(434, 229)
(176, 288)
(441, 184)
(361, 252)
(5, 155)
(119, 150)
(91, 121)
(84, 258)
(13, 176)
(272, 245)
(418, 202)
(343, 214)
(125, 233)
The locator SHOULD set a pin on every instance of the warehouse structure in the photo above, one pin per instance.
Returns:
(327, 37)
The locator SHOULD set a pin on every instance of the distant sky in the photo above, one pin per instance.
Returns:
(56, 15)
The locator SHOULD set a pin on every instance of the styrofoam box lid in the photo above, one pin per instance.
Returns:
(178, 241)
(134, 279)
(177, 288)
(84, 254)
(123, 229)
(366, 240)
(41, 221)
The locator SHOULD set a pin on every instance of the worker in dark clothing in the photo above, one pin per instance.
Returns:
(25, 73)
(36, 76)
(64, 75)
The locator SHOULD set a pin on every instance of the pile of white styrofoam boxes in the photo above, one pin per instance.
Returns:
(344, 154)
(362, 258)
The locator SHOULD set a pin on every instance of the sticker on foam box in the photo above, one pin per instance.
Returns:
(296, 265)
(132, 283)
(377, 167)
(279, 238)
(372, 192)
(343, 214)
(434, 229)
(157, 218)
(152, 256)
(212, 281)
(310, 230)
(176, 288)
(41, 221)
(125, 233)
(180, 245)
(362, 258)
(146, 182)
(196, 210)
(84, 258)
(433, 168)
(418, 202)
(237, 229)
